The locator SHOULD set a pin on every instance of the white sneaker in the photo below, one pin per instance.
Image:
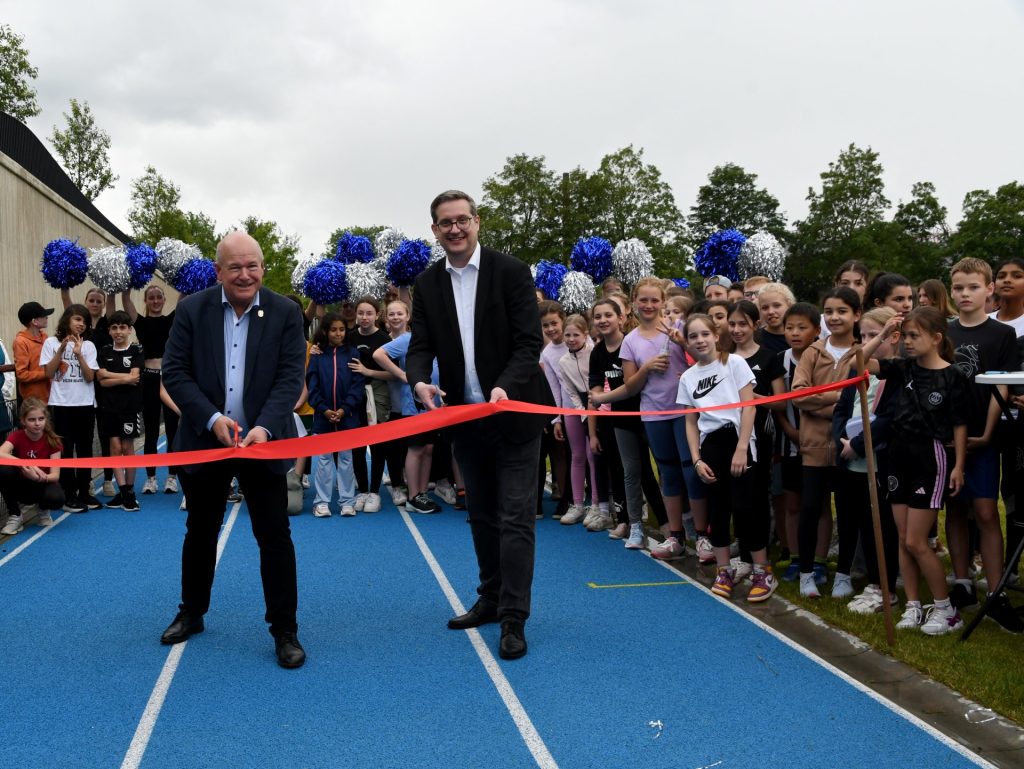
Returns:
(322, 510)
(348, 511)
(601, 521)
(705, 553)
(942, 621)
(619, 532)
(305, 481)
(360, 502)
(636, 539)
(667, 550)
(444, 491)
(398, 496)
(912, 617)
(13, 526)
(573, 515)
(171, 485)
(842, 586)
(108, 489)
(592, 510)
(149, 487)
(372, 504)
(741, 569)
(807, 587)
(43, 518)
(868, 602)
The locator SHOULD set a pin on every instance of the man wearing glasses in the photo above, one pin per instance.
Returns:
(476, 312)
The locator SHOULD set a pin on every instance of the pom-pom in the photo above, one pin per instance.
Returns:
(171, 254)
(681, 282)
(365, 280)
(632, 260)
(719, 254)
(592, 256)
(762, 254)
(108, 269)
(299, 273)
(141, 261)
(437, 252)
(353, 248)
(386, 241)
(548, 277)
(577, 293)
(194, 275)
(65, 263)
(326, 283)
(407, 261)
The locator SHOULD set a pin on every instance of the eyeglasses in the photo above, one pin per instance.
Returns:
(750, 295)
(461, 222)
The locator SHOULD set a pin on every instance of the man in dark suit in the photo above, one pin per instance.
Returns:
(476, 312)
(234, 366)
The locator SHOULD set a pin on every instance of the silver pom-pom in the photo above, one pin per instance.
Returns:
(437, 252)
(632, 260)
(108, 269)
(171, 254)
(299, 273)
(386, 241)
(366, 280)
(577, 293)
(762, 254)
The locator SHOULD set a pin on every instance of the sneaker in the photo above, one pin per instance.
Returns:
(445, 492)
(636, 539)
(734, 548)
(723, 583)
(820, 573)
(460, 501)
(360, 502)
(762, 586)
(619, 532)
(322, 510)
(117, 501)
(372, 503)
(740, 569)
(184, 504)
(44, 518)
(574, 514)
(171, 485)
(592, 510)
(600, 522)
(705, 553)
(792, 572)
(868, 602)
(977, 567)
(108, 489)
(130, 503)
(149, 487)
(347, 511)
(963, 597)
(91, 502)
(74, 505)
(912, 618)
(305, 481)
(941, 621)
(397, 495)
(809, 586)
(667, 550)
(235, 494)
(14, 524)
(937, 547)
(421, 503)
(842, 586)
(1001, 612)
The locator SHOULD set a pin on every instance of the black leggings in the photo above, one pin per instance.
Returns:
(731, 499)
(818, 484)
(151, 409)
(368, 483)
(394, 452)
(853, 519)
(74, 426)
(612, 465)
(15, 488)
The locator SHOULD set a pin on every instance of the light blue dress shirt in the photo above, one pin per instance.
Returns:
(464, 280)
(236, 333)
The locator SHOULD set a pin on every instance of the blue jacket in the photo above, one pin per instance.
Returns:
(333, 385)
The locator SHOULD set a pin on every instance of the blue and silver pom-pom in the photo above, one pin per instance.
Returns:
(548, 278)
(172, 254)
(65, 263)
(720, 254)
(109, 270)
(195, 275)
(326, 282)
(408, 261)
(366, 280)
(762, 254)
(302, 266)
(387, 241)
(141, 260)
(577, 293)
(593, 256)
(632, 260)
(353, 248)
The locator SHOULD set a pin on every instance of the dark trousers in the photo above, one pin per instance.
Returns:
(818, 483)
(501, 491)
(152, 407)
(266, 496)
(368, 479)
(74, 426)
(731, 499)
(394, 451)
(15, 488)
(853, 519)
(611, 465)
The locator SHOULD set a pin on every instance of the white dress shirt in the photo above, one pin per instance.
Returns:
(464, 280)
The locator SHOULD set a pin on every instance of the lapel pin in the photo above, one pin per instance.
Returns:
(259, 313)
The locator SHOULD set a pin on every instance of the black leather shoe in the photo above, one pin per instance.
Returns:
(481, 614)
(290, 653)
(183, 626)
(513, 640)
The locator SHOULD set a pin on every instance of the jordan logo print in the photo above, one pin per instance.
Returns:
(705, 385)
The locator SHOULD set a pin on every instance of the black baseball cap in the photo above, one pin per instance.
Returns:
(29, 311)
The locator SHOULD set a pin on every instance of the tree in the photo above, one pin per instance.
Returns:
(518, 206)
(731, 199)
(279, 252)
(152, 198)
(17, 96)
(992, 227)
(83, 148)
(923, 217)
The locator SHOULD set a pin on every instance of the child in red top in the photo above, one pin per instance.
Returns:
(28, 485)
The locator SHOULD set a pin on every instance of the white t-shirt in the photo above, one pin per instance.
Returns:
(69, 388)
(1017, 323)
(714, 385)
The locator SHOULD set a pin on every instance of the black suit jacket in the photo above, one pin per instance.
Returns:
(507, 338)
(193, 368)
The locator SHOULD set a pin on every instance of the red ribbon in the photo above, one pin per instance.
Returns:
(429, 421)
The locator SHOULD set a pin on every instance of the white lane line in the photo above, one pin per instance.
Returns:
(10, 556)
(147, 723)
(946, 740)
(529, 732)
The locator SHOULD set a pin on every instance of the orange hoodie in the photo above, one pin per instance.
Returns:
(32, 379)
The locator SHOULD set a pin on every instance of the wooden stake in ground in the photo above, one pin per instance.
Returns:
(876, 520)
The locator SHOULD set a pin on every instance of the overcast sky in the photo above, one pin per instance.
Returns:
(320, 114)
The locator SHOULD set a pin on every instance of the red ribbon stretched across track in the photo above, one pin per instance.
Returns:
(358, 437)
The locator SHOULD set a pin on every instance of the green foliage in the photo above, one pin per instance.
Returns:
(17, 96)
(155, 214)
(279, 252)
(731, 199)
(332, 242)
(83, 148)
(188, 227)
(518, 204)
(992, 227)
